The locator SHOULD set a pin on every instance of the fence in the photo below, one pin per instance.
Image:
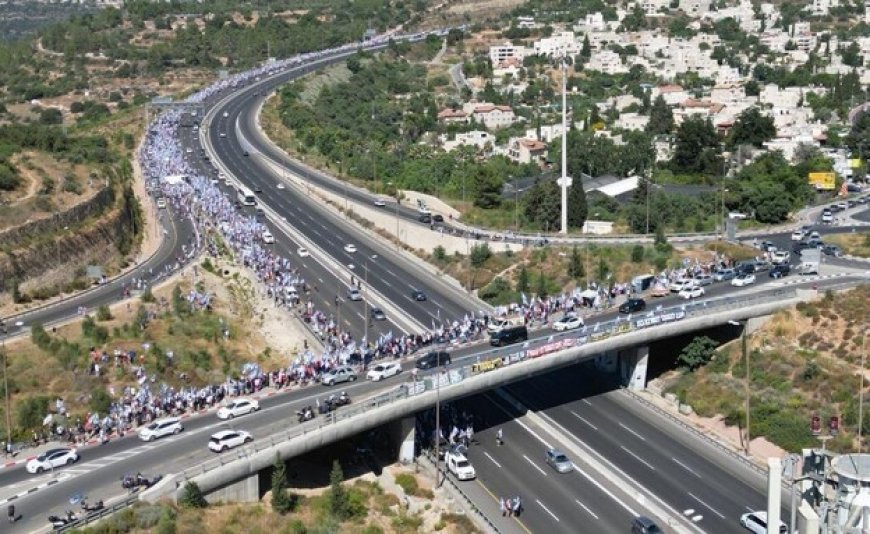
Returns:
(99, 514)
(532, 349)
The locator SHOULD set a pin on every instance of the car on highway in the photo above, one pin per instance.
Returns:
(223, 134)
(226, 114)
(558, 461)
(723, 275)
(302, 252)
(459, 465)
(418, 295)
(279, 185)
(380, 203)
(509, 335)
(353, 294)
(237, 407)
(778, 271)
(827, 216)
(781, 257)
(568, 321)
(680, 284)
(228, 439)
(832, 250)
(703, 279)
(745, 267)
(161, 203)
(645, 525)
(337, 375)
(161, 427)
(52, 458)
(815, 235)
(756, 522)
(350, 248)
(743, 279)
(384, 370)
(632, 305)
(268, 238)
(797, 235)
(767, 246)
(691, 292)
(496, 324)
(433, 359)
(378, 314)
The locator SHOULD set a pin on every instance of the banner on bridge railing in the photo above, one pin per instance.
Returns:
(659, 319)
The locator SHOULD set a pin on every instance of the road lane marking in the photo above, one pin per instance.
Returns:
(633, 432)
(580, 417)
(692, 495)
(547, 510)
(638, 458)
(535, 465)
(586, 401)
(492, 459)
(684, 466)
(588, 511)
(496, 499)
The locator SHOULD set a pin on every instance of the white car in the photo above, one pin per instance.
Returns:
(496, 325)
(161, 203)
(223, 134)
(567, 322)
(189, 151)
(280, 185)
(237, 407)
(380, 203)
(268, 238)
(226, 114)
(302, 252)
(350, 248)
(780, 257)
(161, 427)
(459, 465)
(756, 522)
(353, 294)
(797, 235)
(743, 280)
(691, 292)
(681, 284)
(384, 370)
(52, 458)
(227, 439)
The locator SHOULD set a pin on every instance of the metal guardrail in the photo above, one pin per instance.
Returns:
(99, 514)
(556, 342)
(471, 504)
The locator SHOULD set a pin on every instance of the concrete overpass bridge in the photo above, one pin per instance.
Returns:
(620, 345)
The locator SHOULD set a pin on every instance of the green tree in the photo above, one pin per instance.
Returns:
(851, 55)
(480, 254)
(31, 411)
(541, 289)
(698, 352)
(697, 148)
(191, 496)
(487, 188)
(752, 128)
(50, 116)
(104, 313)
(100, 401)
(543, 204)
(577, 207)
(751, 88)
(637, 253)
(339, 503)
(179, 303)
(523, 280)
(661, 118)
(575, 265)
(858, 139)
(282, 501)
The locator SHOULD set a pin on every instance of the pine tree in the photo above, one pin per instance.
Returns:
(192, 497)
(575, 267)
(578, 210)
(542, 285)
(282, 502)
(523, 280)
(661, 118)
(338, 499)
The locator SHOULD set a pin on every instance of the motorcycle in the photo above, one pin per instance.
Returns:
(305, 414)
(93, 507)
(333, 402)
(59, 521)
(135, 482)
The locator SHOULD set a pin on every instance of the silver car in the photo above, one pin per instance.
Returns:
(558, 461)
(338, 375)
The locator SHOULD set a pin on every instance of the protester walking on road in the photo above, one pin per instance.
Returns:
(499, 437)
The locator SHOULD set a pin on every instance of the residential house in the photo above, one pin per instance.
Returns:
(695, 8)
(821, 8)
(490, 115)
(674, 95)
(499, 53)
(653, 7)
(483, 141)
(606, 61)
(523, 150)
(509, 67)
(632, 121)
(563, 44)
(453, 116)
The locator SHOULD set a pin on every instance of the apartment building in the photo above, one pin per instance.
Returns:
(564, 44)
(632, 121)
(522, 150)
(499, 53)
(606, 61)
(674, 95)
(490, 115)
(479, 139)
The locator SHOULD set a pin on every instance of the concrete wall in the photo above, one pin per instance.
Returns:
(319, 434)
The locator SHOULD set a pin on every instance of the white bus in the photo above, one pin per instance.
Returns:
(246, 196)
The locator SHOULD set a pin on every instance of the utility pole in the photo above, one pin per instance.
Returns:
(564, 181)
(3, 332)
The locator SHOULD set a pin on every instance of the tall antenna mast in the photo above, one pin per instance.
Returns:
(564, 181)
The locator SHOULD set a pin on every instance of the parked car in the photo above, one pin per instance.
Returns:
(228, 439)
(632, 306)
(509, 335)
(746, 267)
(384, 370)
(353, 294)
(558, 461)
(567, 322)
(723, 275)
(743, 280)
(780, 270)
(680, 284)
(237, 407)
(832, 250)
(161, 427)
(338, 375)
(756, 522)
(51, 459)
(459, 465)
(433, 359)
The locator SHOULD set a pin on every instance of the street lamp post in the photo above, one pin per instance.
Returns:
(745, 325)
(396, 193)
(3, 332)
(367, 319)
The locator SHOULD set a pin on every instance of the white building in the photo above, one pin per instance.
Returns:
(820, 8)
(695, 8)
(632, 121)
(563, 44)
(490, 115)
(652, 7)
(674, 95)
(526, 151)
(476, 138)
(499, 53)
(606, 61)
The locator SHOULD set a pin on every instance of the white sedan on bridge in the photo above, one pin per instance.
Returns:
(743, 280)
(238, 407)
(303, 252)
(568, 322)
(691, 292)
(350, 248)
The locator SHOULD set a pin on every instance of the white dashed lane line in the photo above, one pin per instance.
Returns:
(547, 510)
(638, 458)
(536, 466)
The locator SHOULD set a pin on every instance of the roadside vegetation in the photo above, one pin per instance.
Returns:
(358, 507)
(173, 342)
(806, 361)
(857, 244)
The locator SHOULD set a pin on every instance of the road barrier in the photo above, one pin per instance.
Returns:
(99, 514)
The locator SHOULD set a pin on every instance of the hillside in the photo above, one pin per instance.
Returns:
(805, 361)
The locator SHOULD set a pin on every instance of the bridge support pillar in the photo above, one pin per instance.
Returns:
(633, 366)
(408, 435)
(244, 490)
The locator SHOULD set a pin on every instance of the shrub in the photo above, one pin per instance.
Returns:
(104, 314)
(408, 483)
(31, 410)
(100, 401)
(637, 254)
(191, 496)
(480, 254)
(282, 502)
(147, 296)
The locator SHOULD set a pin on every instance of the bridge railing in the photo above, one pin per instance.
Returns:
(532, 349)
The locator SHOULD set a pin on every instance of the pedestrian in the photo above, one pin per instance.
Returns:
(502, 507)
(517, 506)
(10, 510)
(499, 437)
(8, 448)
